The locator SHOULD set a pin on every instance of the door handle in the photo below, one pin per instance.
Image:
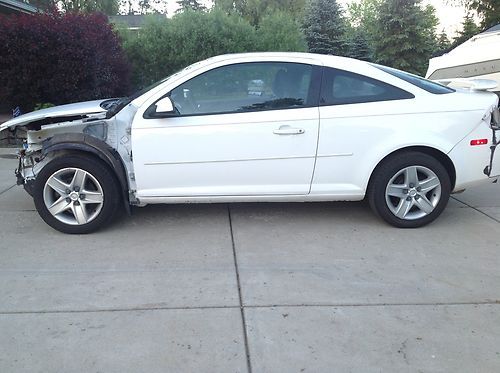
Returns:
(287, 130)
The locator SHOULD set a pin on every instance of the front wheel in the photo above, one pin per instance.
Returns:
(76, 194)
(409, 190)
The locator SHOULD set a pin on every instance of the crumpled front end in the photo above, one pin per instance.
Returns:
(35, 152)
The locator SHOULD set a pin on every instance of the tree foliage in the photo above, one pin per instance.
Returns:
(469, 29)
(278, 32)
(363, 17)
(165, 46)
(443, 44)
(59, 58)
(487, 10)
(358, 45)
(109, 7)
(255, 10)
(193, 5)
(324, 27)
(405, 35)
(142, 6)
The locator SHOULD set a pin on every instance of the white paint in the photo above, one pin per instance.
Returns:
(237, 157)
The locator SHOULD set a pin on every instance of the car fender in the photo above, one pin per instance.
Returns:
(80, 142)
(436, 150)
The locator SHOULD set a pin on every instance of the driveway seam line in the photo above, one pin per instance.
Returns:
(476, 209)
(338, 305)
(242, 310)
(6, 190)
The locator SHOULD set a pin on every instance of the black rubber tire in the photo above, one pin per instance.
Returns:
(95, 167)
(385, 171)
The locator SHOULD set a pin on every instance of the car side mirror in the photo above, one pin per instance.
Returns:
(164, 106)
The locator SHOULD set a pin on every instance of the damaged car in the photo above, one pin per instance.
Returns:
(321, 128)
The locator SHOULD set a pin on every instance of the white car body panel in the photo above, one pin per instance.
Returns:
(357, 137)
(227, 154)
(80, 108)
(173, 163)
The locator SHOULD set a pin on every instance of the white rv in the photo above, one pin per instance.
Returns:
(478, 58)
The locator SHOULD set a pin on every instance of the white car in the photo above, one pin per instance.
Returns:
(324, 128)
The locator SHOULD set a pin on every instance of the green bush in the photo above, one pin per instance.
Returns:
(163, 47)
(279, 32)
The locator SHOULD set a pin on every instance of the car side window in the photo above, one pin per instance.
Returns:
(343, 87)
(245, 87)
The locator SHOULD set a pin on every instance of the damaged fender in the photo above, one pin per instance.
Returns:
(79, 142)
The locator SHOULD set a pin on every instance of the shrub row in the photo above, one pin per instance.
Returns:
(163, 47)
(55, 58)
(62, 58)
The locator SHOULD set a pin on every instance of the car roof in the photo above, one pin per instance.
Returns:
(338, 62)
(314, 57)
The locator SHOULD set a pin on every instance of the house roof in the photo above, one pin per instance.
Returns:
(13, 6)
(134, 21)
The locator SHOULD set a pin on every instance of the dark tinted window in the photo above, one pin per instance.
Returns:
(245, 87)
(342, 87)
(418, 81)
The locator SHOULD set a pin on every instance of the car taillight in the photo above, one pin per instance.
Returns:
(479, 142)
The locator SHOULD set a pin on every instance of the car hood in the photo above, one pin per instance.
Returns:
(81, 108)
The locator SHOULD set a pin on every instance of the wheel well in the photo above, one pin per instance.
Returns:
(111, 167)
(437, 154)
(90, 146)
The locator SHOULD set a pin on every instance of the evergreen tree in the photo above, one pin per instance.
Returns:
(324, 27)
(488, 11)
(358, 45)
(143, 6)
(255, 10)
(443, 44)
(189, 5)
(469, 29)
(405, 35)
(108, 7)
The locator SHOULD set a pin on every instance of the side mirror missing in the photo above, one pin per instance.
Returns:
(165, 106)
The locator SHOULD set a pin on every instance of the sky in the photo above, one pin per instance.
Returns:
(450, 17)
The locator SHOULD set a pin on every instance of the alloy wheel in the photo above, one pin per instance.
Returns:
(73, 196)
(413, 192)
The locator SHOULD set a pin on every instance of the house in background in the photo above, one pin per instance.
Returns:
(14, 6)
(133, 22)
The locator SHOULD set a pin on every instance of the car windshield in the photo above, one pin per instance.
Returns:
(121, 103)
(416, 80)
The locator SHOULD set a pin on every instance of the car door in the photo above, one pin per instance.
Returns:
(357, 114)
(240, 129)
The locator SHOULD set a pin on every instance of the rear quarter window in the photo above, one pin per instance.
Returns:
(416, 80)
(341, 87)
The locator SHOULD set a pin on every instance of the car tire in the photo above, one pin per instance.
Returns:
(76, 194)
(409, 190)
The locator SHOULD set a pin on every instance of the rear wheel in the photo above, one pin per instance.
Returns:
(76, 194)
(409, 190)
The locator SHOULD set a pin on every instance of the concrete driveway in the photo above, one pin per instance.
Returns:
(316, 287)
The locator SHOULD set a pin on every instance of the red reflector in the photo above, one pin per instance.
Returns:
(479, 142)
